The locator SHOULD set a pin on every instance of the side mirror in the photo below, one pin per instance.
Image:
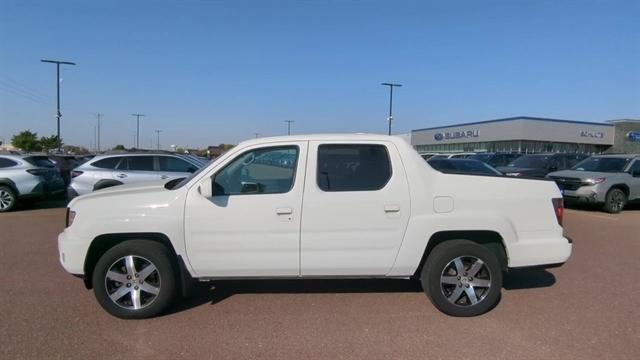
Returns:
(191, 169)
(250, 188)
(205, 188)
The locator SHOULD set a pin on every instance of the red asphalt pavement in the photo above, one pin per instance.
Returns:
(587, 309)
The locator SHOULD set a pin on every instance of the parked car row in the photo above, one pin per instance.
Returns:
(607, 180)
(43, 176)
(27, 177)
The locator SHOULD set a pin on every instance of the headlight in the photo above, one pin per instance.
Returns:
(596, 181)
(71, 215)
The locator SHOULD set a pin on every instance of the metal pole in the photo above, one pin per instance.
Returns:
(390, 107)
(137, 129)
(289, 126)
(58, 115)
(158, 142)
(391, 86)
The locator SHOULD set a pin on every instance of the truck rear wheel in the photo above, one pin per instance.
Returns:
(462, 278)
(135, 279)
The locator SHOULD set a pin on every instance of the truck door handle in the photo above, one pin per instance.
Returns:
(122, 176)
(284, 211)
(391, 208)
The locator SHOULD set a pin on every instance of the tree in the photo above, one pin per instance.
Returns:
(225, 147)
(49, 143)
(26, 141)
(119, 147)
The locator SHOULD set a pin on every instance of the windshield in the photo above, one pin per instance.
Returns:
(463, 167)
(530, 161)
(602, 164)
(481, 157)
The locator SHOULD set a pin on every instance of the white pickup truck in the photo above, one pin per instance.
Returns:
(317, 206)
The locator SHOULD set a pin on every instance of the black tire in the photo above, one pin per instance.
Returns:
(485, 285)
(615, 201)
(8, 199)
(163, 279)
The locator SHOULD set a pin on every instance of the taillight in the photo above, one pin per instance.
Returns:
(38, 172)
(558, 208)
(76, 173)
(71, 215)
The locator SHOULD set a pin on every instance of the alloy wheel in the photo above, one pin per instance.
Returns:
(465, 281)
(132, 282)
(6, 199)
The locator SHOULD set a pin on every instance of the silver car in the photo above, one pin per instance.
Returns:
(610, 180)
(110, 170)
(24, 177)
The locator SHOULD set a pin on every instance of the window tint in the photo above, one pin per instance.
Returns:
(108, 163)
(41, 161)
(173, 164)
(262, 171)
(353, 167)
(635, 168)
(136, 163)
(5, 163)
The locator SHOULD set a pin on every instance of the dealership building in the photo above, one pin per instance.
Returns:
(530, 135)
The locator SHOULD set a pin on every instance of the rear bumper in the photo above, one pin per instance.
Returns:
(44, 189)
(540, 252)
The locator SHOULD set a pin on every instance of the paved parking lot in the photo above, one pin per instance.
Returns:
(586, 309)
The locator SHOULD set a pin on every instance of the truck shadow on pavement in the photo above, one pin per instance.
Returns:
(217, 291)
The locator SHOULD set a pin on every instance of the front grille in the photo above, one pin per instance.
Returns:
(568, 183)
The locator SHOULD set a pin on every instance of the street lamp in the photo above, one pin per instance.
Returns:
(391, 86)
(137, 129)
(58, 114)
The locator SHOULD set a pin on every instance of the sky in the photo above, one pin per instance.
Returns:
(211, 72)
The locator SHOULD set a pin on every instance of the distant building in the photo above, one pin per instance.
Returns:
(530, 135)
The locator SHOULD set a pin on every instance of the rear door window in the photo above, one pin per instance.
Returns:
(353, 167)
(136, 163)
(173, 164)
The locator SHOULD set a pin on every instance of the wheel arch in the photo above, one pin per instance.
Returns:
(102, 243)
(10, 184)
(488, 238)
(621, 186)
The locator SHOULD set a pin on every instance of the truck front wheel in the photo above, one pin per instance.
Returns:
(135, 279)
(462, 278)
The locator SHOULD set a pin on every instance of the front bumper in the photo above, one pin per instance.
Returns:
(588, 194)
(540, 252)
(72, 252)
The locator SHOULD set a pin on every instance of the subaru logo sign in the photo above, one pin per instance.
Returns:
(632, 136)
(453, 135)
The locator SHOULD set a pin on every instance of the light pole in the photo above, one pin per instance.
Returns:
(58, 114)
(289, 126)
(137, 129)
(98, 116)
(391, 86)
(158, 134)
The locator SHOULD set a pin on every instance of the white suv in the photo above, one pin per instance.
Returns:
(128, 168)
(313, 206)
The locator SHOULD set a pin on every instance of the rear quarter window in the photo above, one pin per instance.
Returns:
(108, 163)
(6, 163)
